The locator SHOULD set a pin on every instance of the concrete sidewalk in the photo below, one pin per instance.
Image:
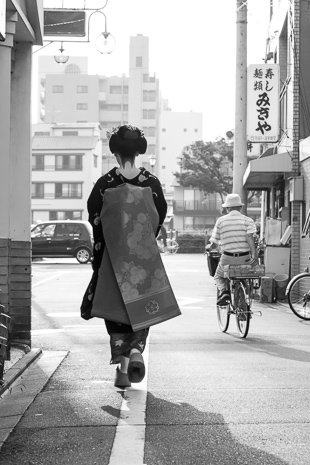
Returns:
(23, 381)
(21, 357)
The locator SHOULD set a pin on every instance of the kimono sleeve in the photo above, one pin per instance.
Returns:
(160, 203)
(94, 206)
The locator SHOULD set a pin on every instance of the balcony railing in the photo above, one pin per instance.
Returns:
(195, 205)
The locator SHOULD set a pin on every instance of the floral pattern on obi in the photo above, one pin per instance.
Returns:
(138, 271)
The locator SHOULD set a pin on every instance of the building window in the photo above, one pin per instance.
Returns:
(41, 133)
(70, 133)
(110, 106)
(73, 68)
(115, 89)
(138, 62)
(163, 167)
(38, 162)
(125, 90)
(149, 114)
(149, 95)
(163, 148)
(82, 106)
(37, 190)
(151, 148)
(68, 190)
(65, 215)
(188, 223)
(57, 89)
(184, 130)
(95, 161)
(69, 163)
(148, 78)
(82, 89)
(196, 130)
(149, 131)
(163, 129)
(110, 124)
(199, 222)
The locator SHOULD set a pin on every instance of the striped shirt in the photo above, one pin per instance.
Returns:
(230, 232)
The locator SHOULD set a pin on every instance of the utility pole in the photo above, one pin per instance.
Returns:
(240, 140)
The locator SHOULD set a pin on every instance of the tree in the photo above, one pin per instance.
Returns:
(202, 166)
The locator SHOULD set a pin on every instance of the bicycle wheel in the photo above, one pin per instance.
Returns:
(173, 246)
(223, 317)
(243, 313)
(299, 296)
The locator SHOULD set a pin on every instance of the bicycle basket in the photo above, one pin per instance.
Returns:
(213, 259)
(243, 271)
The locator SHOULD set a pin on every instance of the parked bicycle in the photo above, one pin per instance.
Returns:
(243, 279)
(298, 294)
(171, 248)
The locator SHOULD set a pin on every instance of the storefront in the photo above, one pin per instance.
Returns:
(21, 28)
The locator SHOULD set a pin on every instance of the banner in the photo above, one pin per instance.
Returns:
(263, 104)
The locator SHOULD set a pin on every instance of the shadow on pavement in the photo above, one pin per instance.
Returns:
(276, 349)
(181, 434)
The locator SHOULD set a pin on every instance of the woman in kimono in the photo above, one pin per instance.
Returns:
(126, 143)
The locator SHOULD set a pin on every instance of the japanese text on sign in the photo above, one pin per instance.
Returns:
(263, 103)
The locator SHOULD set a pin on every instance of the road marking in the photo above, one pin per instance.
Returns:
(61, 314)
(50, 278)
(128, 445)
(191, 307)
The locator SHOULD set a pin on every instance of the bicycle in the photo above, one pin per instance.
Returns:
(242, 280)
(298, 294)
(171, 248)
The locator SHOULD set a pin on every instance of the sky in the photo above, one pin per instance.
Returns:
(192, 49)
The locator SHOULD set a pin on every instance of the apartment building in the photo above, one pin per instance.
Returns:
(69, 94)
(177, 130)
(66, 162)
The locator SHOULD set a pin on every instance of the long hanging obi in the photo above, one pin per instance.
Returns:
(132, 287)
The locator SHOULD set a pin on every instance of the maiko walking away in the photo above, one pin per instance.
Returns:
(129, 287)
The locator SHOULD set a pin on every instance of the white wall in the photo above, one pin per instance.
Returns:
(176, 130)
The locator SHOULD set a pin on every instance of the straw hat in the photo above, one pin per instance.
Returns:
(232, 200)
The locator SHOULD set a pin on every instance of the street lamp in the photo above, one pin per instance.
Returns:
(61, 59)
(105, 42)
(152, 161)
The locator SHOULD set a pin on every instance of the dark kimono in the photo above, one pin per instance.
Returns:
(122, 336)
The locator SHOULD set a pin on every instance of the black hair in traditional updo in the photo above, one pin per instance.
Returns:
(127, 141)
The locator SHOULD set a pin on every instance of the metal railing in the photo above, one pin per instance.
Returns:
(184, 205)
(5, 322)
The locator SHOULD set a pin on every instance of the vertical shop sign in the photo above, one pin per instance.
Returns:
(263, 116)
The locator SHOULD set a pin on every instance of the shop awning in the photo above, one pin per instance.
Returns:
(264, 172)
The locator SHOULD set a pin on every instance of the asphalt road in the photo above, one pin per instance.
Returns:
(208, 398)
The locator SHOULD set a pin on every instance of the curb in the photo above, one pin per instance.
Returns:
(18, 369)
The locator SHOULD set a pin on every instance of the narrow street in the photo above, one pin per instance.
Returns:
(208, 398)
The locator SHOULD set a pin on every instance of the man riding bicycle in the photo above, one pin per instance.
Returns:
(233, 234)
